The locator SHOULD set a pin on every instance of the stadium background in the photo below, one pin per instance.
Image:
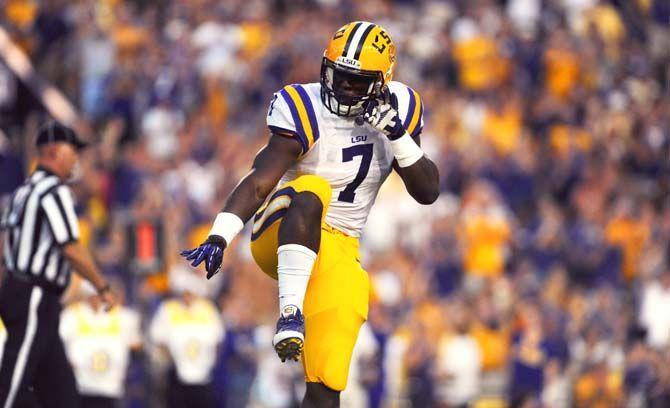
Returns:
(544, 262)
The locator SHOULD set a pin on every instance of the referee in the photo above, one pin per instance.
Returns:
(40, 246)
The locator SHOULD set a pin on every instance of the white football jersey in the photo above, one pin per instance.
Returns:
(354, 159)
(98, 345)
(191, 333)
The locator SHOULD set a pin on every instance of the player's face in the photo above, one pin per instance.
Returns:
(345, 90)
(350, 87)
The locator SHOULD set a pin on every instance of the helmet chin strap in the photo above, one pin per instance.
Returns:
(343, 109)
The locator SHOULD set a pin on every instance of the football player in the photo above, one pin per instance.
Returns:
(332, 145)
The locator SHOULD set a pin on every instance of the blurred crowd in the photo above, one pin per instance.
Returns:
(541, 277)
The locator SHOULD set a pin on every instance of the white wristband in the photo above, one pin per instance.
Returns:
(226, 225)
(406, 151)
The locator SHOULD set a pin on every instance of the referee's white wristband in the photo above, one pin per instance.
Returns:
(226, 225)
(406, 151)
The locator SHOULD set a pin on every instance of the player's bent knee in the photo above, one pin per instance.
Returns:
(317, 185)
(307, 204)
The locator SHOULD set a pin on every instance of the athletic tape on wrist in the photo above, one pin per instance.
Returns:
(406, 151)
(226, 225)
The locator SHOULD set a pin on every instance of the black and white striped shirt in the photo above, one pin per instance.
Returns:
(38, 220)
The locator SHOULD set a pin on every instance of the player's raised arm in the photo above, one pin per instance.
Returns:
(417, 171)
(268, 167)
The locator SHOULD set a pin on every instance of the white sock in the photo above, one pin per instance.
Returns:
(294, 266)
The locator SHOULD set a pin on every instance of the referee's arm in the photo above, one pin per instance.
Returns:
(59, 209)
(82, 262)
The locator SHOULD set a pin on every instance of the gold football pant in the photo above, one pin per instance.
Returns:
(336, 302)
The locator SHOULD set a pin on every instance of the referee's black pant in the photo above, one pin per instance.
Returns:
(181, 395)
(93, 401)
(34, 371)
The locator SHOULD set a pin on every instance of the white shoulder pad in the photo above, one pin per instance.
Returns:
(410, 107)
(291, 112)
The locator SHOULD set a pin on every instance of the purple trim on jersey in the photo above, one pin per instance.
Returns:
(419, 126)
(416, 132)
(410, 109)
(280, 130)
(296, 119)
(310, 110)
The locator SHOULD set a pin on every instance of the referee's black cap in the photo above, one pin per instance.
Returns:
(54, 132)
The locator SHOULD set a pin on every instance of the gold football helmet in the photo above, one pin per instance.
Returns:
(357, 63)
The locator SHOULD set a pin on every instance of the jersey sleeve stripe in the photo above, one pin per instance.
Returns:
(296, 117)
(410, 109)
(419, 126)
(311, 113)
(415, 109)
(303, 116)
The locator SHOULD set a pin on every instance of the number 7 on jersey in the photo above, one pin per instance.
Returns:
(347, 195)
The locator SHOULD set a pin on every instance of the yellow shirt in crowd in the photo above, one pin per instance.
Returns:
(564, 139)
(494, 346)
(562, 71)
(486, 235)
(630, 235)
(480, 64)
(502, 129)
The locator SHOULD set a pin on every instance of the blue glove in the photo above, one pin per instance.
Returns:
(210, 251)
